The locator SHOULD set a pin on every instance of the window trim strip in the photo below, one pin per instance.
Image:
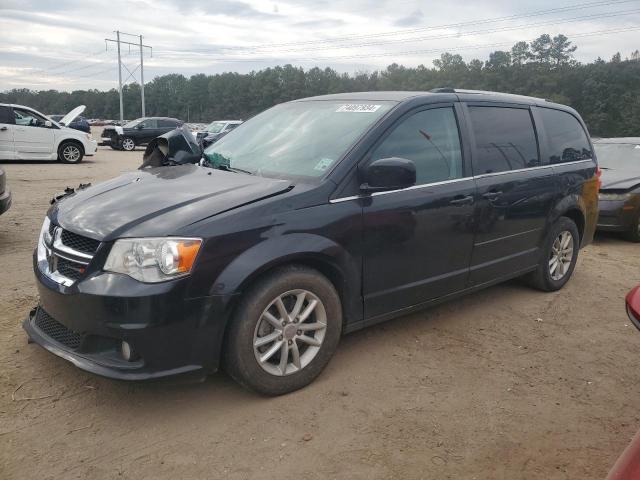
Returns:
(456, 180)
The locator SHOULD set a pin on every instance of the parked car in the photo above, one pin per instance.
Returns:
(619, 159)
(633, 306)
(318, 217)
(26, 134)
(80, 123)
(215, 131)
(137, 132)
(5, 194)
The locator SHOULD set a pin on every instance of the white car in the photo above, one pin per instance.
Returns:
(26, 134)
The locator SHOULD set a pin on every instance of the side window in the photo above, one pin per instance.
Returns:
(148, 123)
(567, 139)
(231, 126)
(430, 138)
(27, 118)
(505, 139)
(5, 115)
(167, 124)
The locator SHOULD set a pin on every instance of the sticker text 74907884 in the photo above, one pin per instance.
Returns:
(358, 108)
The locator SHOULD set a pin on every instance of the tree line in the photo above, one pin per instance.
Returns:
(606, 93)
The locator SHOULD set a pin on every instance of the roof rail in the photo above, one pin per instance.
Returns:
(482, 92)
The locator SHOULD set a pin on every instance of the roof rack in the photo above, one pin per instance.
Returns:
(482, 92)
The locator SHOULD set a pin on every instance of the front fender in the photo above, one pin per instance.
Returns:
(317, 251)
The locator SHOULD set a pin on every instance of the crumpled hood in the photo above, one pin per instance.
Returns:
(158, 201)
(619, 179)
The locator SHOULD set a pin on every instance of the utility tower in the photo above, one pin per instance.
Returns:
(131, 73)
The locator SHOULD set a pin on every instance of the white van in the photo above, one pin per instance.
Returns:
(26, 134)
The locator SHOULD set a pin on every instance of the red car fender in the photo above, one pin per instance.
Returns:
(633, 306)
(627, 467)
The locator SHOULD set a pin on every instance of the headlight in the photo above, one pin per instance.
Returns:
(42, 238)
(614, 196)
(153, 259)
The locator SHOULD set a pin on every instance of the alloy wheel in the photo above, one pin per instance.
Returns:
(561, 255)
(128, 144)
(71, 153)
(290, 332)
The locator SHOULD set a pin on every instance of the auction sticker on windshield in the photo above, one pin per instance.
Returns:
(358, 108)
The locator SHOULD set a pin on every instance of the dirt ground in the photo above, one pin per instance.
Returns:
(508, 383)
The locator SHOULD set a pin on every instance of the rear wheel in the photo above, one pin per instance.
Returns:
(633, 235)
(128, 144)
(284, 331)
(70, 152)
(558, 258)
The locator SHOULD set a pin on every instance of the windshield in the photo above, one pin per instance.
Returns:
(132, 123)
(215, 127)
(298, 139)
(618, 156)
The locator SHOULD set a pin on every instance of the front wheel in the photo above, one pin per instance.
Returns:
(284, 332)
(559, 256)
(128, 144)
(70, 152)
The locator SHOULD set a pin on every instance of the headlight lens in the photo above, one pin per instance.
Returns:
(153, 259)
(614, 196)
(42, 238)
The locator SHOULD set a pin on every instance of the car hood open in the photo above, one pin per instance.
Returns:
(158, 201)
(619, 179)
(72, 115)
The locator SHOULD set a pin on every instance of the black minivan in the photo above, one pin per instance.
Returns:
(314, 218)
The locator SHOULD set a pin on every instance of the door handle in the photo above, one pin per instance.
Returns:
(2, 129)
(492, 195)
(466, 200)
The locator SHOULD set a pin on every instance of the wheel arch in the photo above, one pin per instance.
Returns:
(75, 141)
(572, 207)
(308, 250)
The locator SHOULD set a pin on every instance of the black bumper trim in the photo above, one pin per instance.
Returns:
(94, 363)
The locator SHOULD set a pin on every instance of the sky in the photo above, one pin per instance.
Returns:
(60, 44)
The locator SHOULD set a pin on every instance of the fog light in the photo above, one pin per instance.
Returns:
(127, 351)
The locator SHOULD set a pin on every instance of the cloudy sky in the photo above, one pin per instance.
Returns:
(60, 43)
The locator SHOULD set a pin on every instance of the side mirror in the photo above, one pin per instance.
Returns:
(48, 124)
(389, 174)
(139, 126)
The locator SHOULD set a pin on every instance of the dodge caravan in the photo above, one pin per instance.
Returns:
(315, 218)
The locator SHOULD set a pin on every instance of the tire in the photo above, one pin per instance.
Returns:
(250, 325)
(70, 152)
(633, 235)
(545, 277)
(127, 144)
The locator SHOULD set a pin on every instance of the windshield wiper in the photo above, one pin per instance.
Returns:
(227, 168)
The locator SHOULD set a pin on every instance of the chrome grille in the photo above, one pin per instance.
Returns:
(67, 255)
(78, 242)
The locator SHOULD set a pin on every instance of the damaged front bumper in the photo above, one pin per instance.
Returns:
(86, 324)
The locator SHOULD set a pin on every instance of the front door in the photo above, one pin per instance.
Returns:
(32, 139)
(417, 241)
(149, 130)
(6, 134)
(515, 192)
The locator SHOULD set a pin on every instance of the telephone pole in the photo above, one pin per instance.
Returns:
(131, 73)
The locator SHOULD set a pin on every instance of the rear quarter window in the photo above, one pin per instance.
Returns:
(567, 140)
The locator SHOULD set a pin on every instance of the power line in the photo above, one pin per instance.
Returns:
(465, 34)
(592, 4)
(223, 58)
(424, 51)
